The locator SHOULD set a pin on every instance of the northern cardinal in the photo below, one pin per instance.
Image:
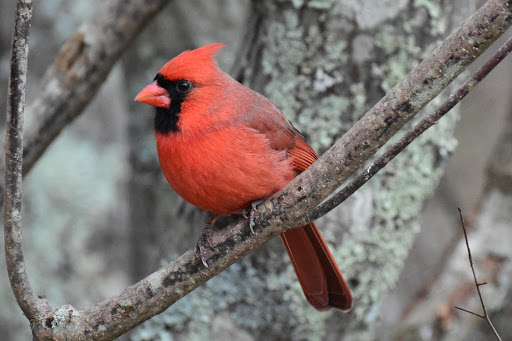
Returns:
(223, 147)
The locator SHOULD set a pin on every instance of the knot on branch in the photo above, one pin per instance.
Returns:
(62, 316)
(73, 56)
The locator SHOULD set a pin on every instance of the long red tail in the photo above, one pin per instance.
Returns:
(315, 267)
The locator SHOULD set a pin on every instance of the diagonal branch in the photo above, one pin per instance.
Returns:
(80, 68)
(419, 129)
(27, 300)
(395, 109)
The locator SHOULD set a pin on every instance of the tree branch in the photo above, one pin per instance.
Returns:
(79, 70)
(288, 207)
(419, 129)
(27, 300)
(395, 109)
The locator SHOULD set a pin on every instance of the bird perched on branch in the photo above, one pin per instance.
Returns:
(223, 147)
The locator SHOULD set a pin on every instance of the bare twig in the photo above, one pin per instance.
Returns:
(29, 303)
(485, 315)
(419, 129)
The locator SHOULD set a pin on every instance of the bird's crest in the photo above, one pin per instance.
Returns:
(197, 66)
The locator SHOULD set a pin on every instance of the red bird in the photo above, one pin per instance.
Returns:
(223, 146)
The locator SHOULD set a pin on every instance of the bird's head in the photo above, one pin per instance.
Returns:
(177, 80)
(180, 75)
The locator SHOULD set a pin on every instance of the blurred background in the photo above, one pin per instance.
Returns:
(98, 215)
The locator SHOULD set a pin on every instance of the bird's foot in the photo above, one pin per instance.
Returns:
(203, 244)
(248, 213)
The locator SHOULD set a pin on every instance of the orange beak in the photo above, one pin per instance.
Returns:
(154, 95)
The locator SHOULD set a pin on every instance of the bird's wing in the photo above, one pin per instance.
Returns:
(281, 134)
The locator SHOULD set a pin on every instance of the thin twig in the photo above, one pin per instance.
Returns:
(419, 129)
(20, 284)
(485, 315)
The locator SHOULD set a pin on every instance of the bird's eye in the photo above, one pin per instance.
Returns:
(183, 86)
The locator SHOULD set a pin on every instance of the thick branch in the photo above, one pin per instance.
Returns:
(29, 303)
(288, 207)
(80, 68)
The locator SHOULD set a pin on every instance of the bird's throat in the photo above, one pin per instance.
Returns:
(166, 119)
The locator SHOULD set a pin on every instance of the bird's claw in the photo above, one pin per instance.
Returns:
(248, 214)
(203, 244)
(251, 224)
(201, 250)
